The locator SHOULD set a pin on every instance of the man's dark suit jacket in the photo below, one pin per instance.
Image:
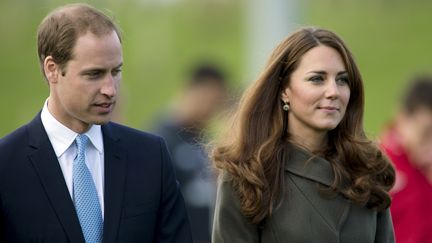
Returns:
(142, 198)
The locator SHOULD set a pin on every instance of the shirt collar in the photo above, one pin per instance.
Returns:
(95, 135)
(62, 137)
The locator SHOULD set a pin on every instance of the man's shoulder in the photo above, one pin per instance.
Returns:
(13, 148)
(15, 138)
(133, 141)
(128, 133)
(21, 136)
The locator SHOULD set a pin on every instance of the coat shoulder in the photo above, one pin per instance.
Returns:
(133, 138)
(11, 143)
(13, 137)
(128, 133)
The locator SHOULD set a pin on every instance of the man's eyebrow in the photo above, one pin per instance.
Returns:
(96, 69)
(119, 66)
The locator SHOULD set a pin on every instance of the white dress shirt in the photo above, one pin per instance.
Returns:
(62, 139)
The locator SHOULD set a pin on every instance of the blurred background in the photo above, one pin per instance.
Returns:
(163, 39)
(165, 88)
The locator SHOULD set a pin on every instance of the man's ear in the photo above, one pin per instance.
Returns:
(51, 69)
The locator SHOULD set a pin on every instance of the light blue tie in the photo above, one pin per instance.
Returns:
(85, 195)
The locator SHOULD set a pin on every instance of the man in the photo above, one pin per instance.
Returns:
(70, 175)
(183, 130)
(408, 143)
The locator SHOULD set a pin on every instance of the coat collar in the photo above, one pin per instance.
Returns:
(332, 211)
(115, 180)
(45, 162)
(307, 165)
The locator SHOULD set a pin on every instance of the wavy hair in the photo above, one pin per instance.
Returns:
(254, 150)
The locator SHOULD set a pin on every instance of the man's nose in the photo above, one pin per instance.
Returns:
(110, 86)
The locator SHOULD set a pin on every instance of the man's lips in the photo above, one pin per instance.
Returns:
(104, 107)
(104, 104)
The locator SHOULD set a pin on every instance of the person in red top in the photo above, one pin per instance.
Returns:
(408, 143)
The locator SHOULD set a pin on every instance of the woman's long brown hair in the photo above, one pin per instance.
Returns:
(254, 150)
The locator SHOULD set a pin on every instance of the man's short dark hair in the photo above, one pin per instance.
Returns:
(418, 94)
(207, 73)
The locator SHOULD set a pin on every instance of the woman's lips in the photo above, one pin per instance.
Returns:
(328, 108)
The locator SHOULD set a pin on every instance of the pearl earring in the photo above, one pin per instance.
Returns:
(285, 107)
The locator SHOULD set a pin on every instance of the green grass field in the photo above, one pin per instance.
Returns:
(390, 40)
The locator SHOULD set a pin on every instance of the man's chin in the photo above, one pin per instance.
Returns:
(101, 120)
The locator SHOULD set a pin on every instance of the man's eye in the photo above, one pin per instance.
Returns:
(115, 72)
(93, 75)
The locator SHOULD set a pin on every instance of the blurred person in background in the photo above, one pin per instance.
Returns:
(296, 165)
(184, 130)
(71, 175)
(408, 143)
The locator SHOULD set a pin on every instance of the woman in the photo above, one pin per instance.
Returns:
(297, 166)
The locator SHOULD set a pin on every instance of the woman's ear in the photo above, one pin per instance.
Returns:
(285, 95)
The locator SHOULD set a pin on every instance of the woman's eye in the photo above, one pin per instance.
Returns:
(342, 81)
(316, 79)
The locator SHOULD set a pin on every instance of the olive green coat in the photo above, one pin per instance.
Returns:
(305, 216)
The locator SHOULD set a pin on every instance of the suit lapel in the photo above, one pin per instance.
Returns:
(48, 169)
(115, 175)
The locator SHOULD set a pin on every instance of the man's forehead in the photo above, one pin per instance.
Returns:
(92, 41)
(97, 51)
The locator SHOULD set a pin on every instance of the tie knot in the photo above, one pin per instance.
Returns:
(81, 141)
